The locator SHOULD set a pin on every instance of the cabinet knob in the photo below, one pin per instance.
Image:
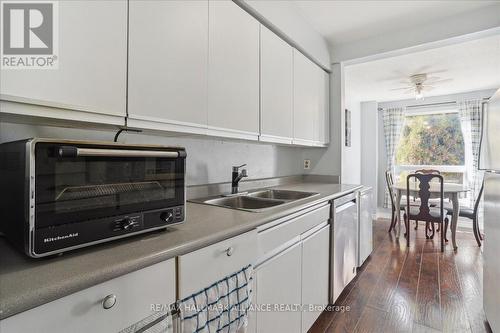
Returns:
(230, 251)
(109, 301)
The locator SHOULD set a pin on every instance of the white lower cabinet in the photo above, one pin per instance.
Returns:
(84, 311)
(292, 278)
(279, 285)
(315, 272)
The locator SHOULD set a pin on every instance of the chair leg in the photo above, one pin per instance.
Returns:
(442, 240)
(408, 232)
(438, 228)
(445, 232)
(476, 231)
(416, 224)
(393, 220)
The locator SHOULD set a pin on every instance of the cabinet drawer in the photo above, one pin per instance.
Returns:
(273, 237)
(84, 311)
(201, 268)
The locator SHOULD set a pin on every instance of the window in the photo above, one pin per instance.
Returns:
(432, 140)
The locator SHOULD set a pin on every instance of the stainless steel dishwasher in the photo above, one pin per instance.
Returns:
(344, 247)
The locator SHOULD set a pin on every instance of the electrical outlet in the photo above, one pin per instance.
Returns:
(307, 164)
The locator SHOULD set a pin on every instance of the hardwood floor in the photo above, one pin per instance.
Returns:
(415, 289)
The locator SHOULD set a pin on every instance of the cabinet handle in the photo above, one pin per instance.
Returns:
(230, 251)
(109, 301)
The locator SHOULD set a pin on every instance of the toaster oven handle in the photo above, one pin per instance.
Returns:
(71, 151)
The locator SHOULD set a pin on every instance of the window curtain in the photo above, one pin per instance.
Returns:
(470, 113)
(393, 125)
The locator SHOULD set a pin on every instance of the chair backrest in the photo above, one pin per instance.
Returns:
(478, 199)
(428, 172)
(424, 193)
(390, 182)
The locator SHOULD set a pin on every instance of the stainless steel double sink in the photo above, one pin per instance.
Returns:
(255, 201)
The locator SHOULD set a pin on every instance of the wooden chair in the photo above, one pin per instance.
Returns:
(470, 213)
(432, 202)
(424, 212)
(390, 183)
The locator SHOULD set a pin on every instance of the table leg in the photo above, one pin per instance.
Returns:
(398, 211)
(454, 219)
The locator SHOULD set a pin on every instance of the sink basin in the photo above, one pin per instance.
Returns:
(244, 202)
(282, 194)
(256, 201)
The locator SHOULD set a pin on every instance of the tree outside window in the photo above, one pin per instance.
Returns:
(432, 140)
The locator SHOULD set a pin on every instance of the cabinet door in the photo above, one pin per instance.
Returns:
(84, 311)
(305, 99)
(91, 78)
(279, 284)
(315, 265)
(323, 120)
(168, 65)
(233, 83)
(276, 88)
(365, 241)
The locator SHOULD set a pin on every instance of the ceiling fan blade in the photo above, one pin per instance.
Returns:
(428, 88)
(440, 81)
(402, 88)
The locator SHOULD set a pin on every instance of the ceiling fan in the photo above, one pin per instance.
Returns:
(419, 83)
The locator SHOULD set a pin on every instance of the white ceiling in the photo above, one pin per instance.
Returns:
(348, 21)
(470, 66)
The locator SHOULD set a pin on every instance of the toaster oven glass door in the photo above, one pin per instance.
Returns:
(80, 188)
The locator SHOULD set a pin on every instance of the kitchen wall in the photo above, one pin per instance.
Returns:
(209, 160)
(369, 146)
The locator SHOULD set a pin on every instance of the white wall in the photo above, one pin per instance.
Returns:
(209, 160)
(351, 156)
(459, 25)
(369, 146)
(284, 16)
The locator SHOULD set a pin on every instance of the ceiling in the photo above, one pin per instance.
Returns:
(348, 21)
(469, 66)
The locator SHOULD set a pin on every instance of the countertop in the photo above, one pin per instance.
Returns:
(26, 283)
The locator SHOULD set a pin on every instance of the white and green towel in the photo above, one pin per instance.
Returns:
(221, 307)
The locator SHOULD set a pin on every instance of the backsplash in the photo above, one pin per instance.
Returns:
(209, 160)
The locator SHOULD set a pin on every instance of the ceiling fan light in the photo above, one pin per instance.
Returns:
(419, 95)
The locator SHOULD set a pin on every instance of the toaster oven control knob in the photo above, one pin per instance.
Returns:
(127, 224)
(167, 216)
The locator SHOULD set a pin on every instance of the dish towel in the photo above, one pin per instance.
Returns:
(222, 307)
(159, 322)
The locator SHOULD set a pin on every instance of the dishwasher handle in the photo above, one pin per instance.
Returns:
(345, 206)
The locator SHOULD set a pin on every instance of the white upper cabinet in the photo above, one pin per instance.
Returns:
(324, 108)
(233, 79)
(168, 65)
(276, 88)
(90, 81)
(310, 102)
(305, 99)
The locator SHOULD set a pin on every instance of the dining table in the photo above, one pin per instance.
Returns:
(451, 191)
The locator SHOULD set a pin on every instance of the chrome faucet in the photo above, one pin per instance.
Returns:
(236, 177)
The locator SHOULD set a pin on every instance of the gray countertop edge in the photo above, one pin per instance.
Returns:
(27, 299)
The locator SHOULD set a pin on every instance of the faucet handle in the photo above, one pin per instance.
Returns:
(236, 168)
